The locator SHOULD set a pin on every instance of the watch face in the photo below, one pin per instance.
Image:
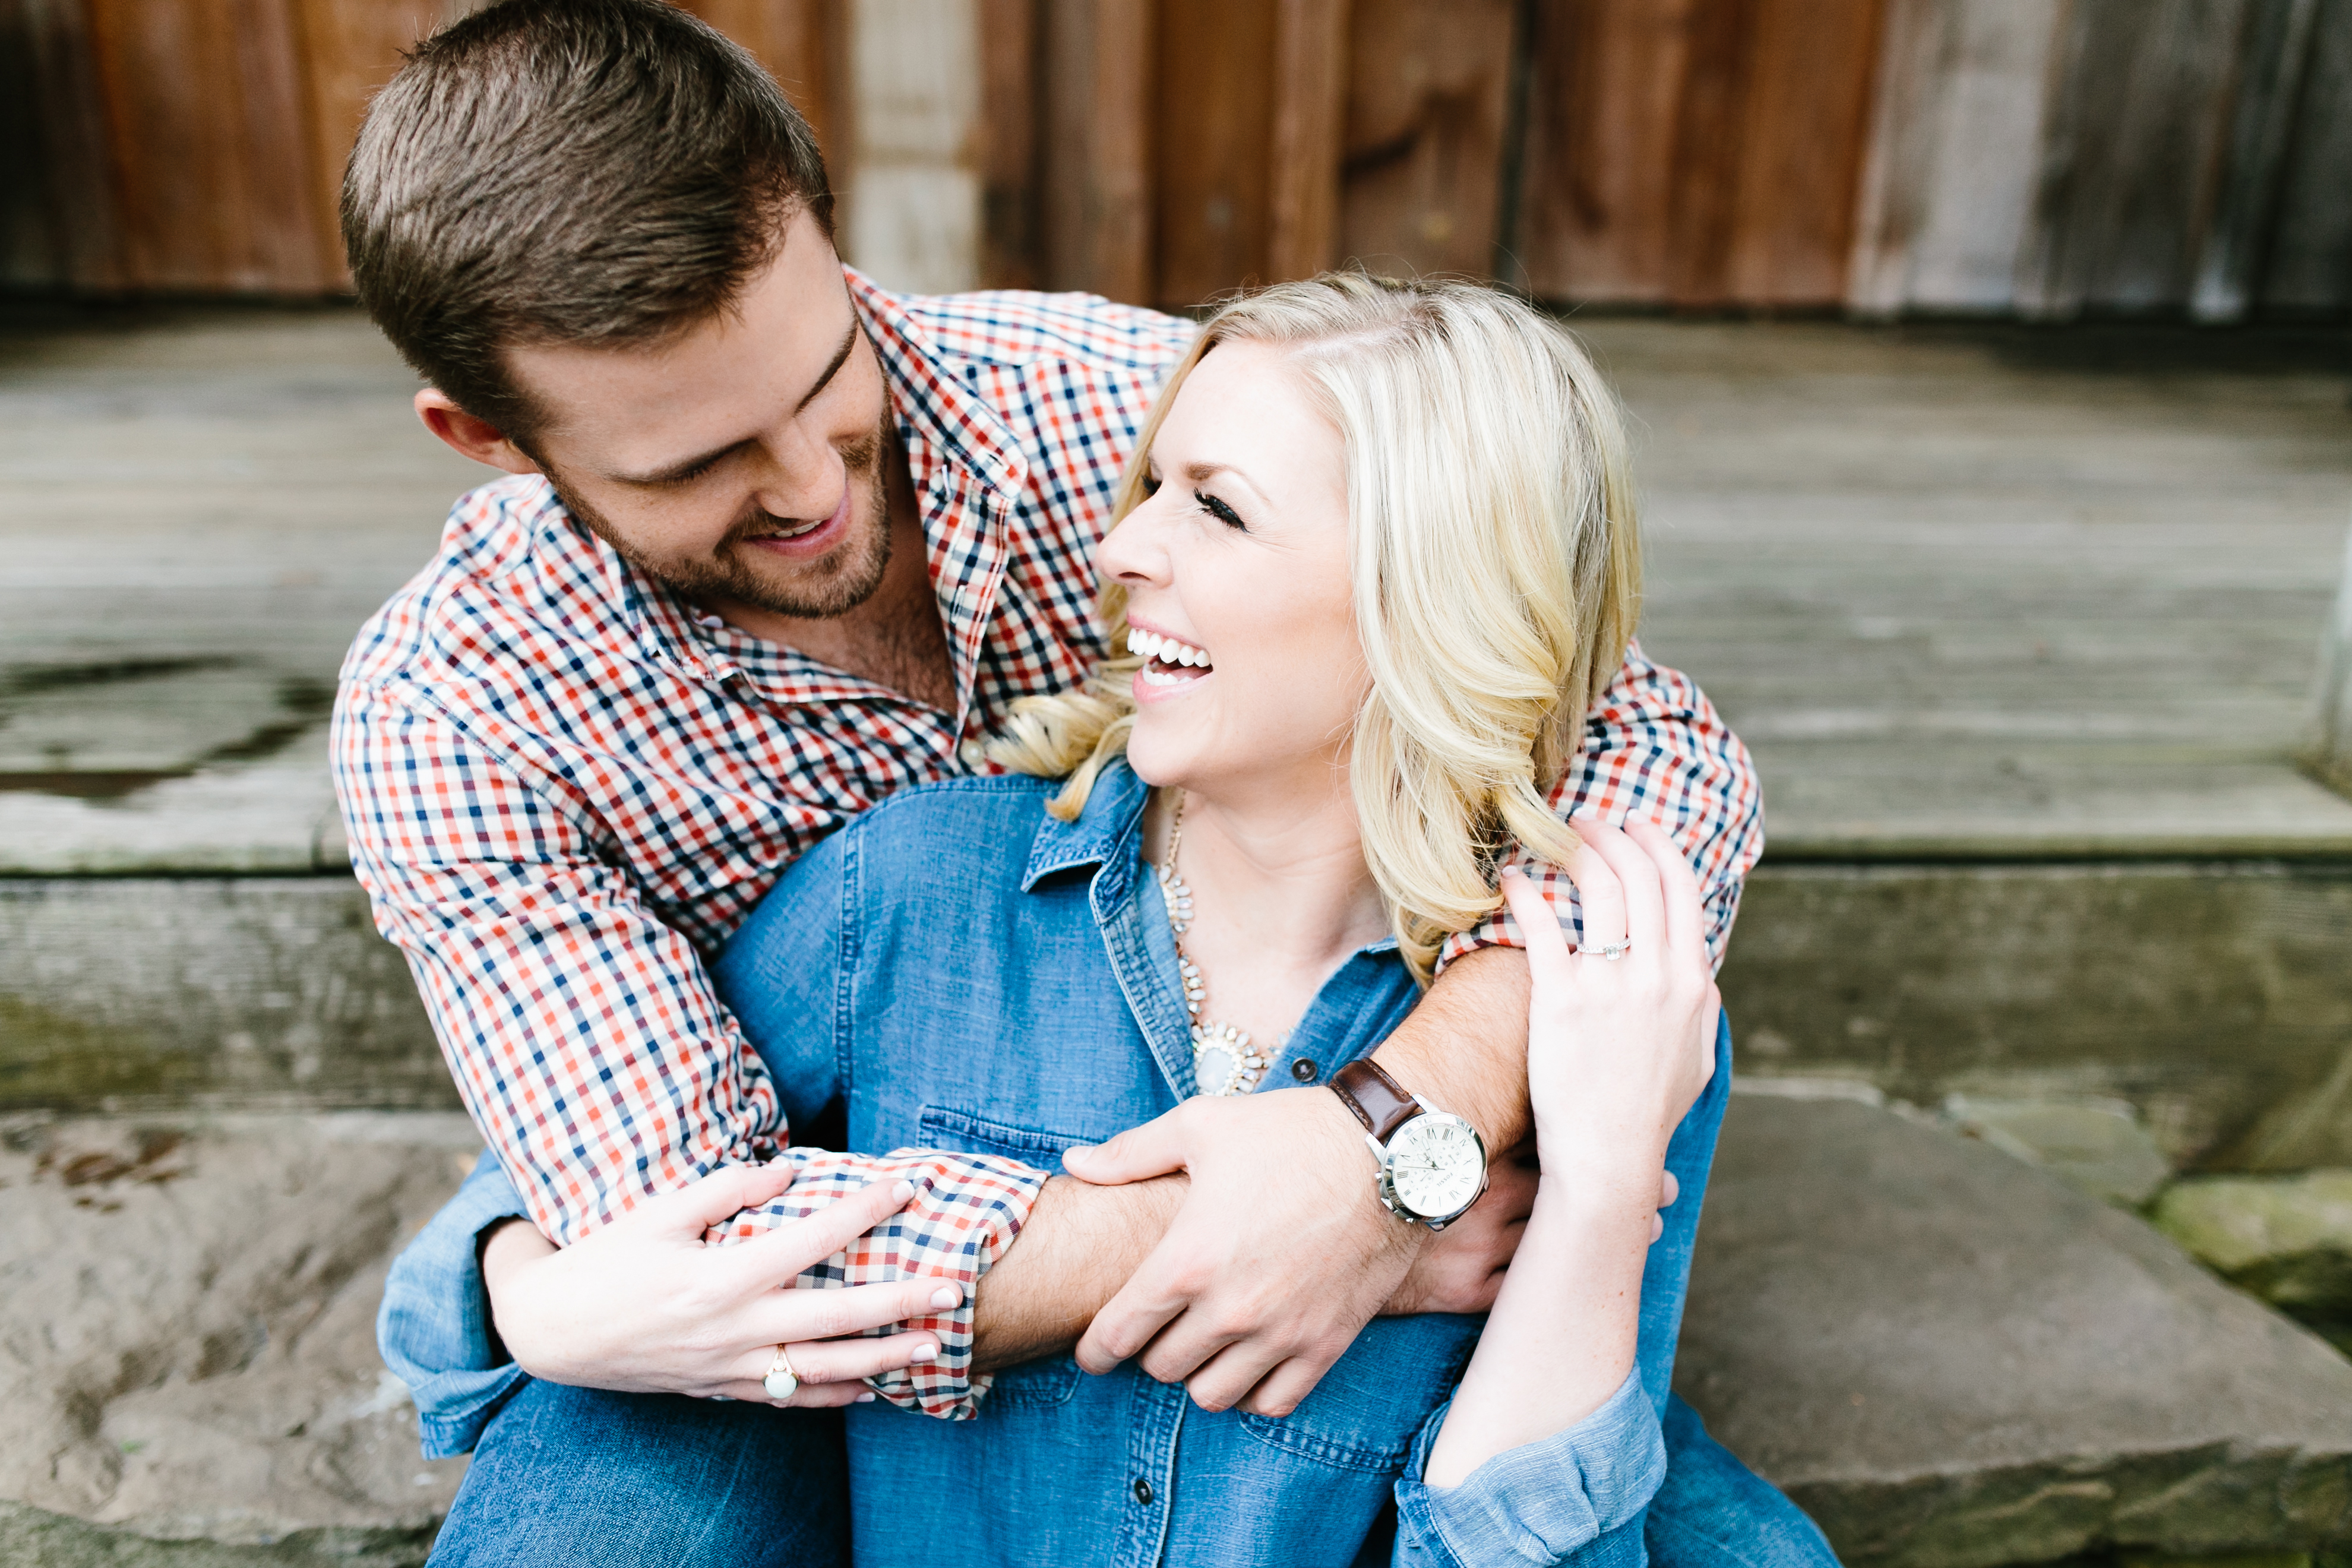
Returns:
(1434, 1165)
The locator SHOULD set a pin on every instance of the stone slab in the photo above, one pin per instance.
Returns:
(2214, 997)
(247, 993)
(1952, 1360)
(187, 1349)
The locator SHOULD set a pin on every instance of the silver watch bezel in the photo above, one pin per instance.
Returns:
(1384, 1180)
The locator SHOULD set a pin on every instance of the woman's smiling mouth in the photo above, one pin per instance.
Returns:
(1167, 662)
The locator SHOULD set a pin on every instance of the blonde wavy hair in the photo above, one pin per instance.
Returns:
(1495, 568)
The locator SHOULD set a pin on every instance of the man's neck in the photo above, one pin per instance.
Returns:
(895, 638)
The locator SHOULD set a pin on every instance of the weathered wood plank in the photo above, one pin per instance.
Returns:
(1215, 70)
(911, 208)
(1098, 165)
(2133, 156)
(1010, 112)
(1428, 94)
(1310, 107)
(789, 38)
(1810, 65)
(2310, 262)
(2270, 83)
(1954, 151)
(1602, 110)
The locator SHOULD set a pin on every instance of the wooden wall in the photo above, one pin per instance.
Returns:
(2041, 157)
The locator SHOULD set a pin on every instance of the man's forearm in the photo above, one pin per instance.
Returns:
(1465, 1047)
(1078, 1247)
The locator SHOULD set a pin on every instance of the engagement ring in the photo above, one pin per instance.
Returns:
(781, 1380)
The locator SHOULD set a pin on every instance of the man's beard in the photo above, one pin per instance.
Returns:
(839, 581)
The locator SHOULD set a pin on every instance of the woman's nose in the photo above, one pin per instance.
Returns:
(1135, 551)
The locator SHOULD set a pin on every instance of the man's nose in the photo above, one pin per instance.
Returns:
(801, 476)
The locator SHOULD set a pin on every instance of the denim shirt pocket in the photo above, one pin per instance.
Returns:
(1368, 1408)
(1049, 1381)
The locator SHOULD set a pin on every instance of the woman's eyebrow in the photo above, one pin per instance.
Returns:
(1201, 473)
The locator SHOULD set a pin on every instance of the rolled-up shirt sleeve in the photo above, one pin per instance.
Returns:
(585, 1038)
(1567, 1499)
(1655, 747)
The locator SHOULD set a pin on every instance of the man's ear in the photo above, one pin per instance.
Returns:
(469, 436)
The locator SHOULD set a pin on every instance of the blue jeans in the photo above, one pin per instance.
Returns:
(592, 1479)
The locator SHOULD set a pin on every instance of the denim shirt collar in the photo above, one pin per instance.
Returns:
(1108, 836)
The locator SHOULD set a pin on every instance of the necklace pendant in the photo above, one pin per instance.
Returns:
(1223, 1061)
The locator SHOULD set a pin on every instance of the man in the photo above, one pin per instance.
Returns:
(779, 543)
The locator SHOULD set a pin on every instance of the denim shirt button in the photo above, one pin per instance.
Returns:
(1303, 1071)
(1143, 1492)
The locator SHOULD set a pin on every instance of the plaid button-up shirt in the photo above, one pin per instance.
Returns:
(564, 786)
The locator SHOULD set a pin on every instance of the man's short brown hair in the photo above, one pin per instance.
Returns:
(596, 171)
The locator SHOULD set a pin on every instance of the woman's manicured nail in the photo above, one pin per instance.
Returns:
(864, 1399)
(1076, 1151)
(903, 1191)
(947, 1296)
(925, 1353)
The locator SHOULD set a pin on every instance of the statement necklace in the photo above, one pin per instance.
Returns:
(1223, 1061)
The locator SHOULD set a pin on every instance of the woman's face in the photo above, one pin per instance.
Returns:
(1237, 571)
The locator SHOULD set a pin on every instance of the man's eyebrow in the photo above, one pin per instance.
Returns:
(670, 473)
(840, 358)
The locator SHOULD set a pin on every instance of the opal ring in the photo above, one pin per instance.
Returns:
(781, 1380)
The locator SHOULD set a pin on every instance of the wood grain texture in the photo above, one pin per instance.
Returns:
(1697, 152)
(2309, 265)
(59, 222)
(1310, 107)
(211, 149)
(1011, 79)
(1097, 164)
(1600, 145)
(353, 47)
(2133, 153)
(1954, 150)
(2270, 83)
(1213, 138)
(788, 37)
(1428, 92)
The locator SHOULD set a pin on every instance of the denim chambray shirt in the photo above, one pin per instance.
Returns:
(961, 971)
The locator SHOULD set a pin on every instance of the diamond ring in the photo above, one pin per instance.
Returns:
(1610, 951)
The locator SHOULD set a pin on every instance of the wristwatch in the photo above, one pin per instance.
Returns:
(1433, 1164)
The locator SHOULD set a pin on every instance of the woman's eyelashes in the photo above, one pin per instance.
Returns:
(1220, 510)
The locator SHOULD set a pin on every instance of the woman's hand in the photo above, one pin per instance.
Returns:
(1619, 1049)
(644, 1306)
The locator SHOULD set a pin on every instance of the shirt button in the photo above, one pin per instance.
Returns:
(1143, 1492)
(1303, 1071)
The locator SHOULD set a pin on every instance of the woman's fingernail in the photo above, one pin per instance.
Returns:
(947, 1296)
(1510, 871)
(903, 1191)
(925, 1353)
(864, 1399)
(1078, 1150)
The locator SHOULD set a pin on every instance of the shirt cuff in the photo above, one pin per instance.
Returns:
(966, 1210)
(1540, 1503)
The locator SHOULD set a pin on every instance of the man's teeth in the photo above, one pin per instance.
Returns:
(1167, 650)
(797, 529)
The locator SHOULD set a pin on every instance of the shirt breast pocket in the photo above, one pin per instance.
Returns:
(1365, 1414)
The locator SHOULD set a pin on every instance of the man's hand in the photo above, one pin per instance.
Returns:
(1227, 1303)
(644, 1306)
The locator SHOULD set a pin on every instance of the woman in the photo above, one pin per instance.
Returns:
(1372, 562)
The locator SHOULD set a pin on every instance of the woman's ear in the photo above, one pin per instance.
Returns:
(469, 436)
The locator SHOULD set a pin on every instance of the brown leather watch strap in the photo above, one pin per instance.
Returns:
(1378, 1101)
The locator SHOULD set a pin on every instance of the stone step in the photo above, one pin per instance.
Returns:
(1951, 1359)
(2214, 1000)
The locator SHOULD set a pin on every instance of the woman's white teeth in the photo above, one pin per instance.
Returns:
(1166, 650)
